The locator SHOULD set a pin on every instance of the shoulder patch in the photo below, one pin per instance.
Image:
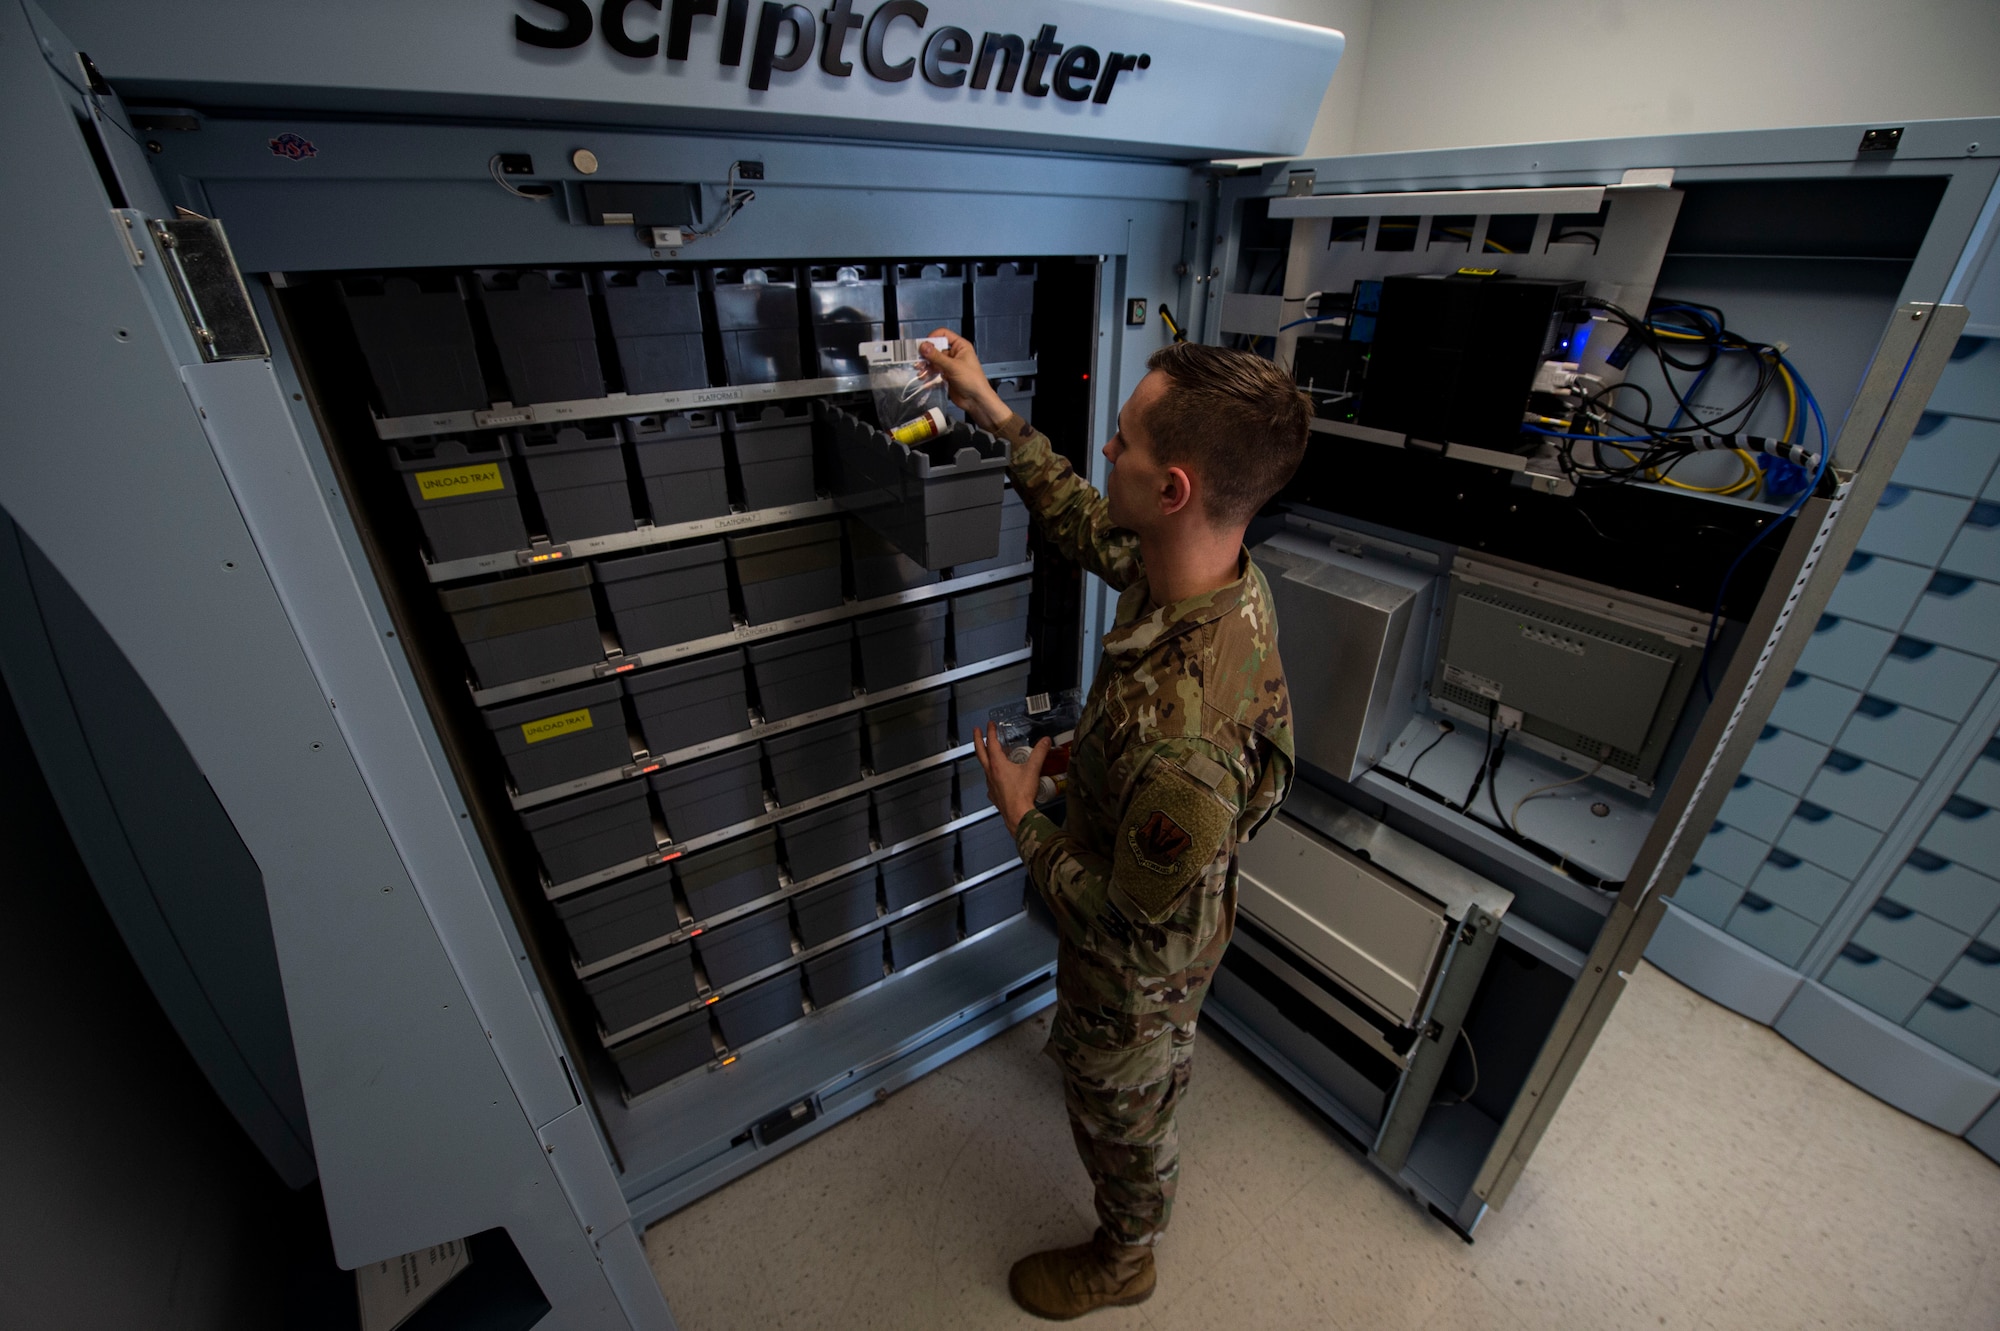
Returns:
(1172, 830)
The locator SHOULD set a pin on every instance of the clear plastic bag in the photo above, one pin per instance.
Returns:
(908, 391)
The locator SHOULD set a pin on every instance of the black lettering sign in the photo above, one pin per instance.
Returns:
(788, 34)
(575, 30)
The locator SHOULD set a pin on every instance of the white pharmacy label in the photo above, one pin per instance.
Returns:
(391, 1290)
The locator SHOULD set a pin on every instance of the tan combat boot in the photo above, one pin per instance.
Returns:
(1068, 1282)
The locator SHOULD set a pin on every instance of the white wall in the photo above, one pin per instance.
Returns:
(1334, 119)
(1454, 73)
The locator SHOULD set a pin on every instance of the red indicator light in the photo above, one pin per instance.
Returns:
(710, 999)
(654, 768)
(696, 933)
(629, 665)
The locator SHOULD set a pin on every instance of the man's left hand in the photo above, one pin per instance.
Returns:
(1010, 785)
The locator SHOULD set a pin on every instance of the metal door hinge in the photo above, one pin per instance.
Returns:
(210, 289)
(124, 220)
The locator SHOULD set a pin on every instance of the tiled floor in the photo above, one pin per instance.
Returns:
(1702, 1173)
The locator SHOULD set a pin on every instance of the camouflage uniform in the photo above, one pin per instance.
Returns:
(1184, 749)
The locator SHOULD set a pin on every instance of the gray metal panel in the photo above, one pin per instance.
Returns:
(461, 58)
(418, 1132)
(184, 893)
(1372, 931)
(1350, 628)
(1887, 1061)
(1717, 965)
(1985, 1134)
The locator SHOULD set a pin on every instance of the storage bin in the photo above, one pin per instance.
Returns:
(1900, 738)
(1732, 852)
(1706, 896)
(691, 702)
(826, 912)
(999, 898)
(1950, 893)
(465, 494)
(579, 476)
(919, 872)
(1960, 1027)
(973, 698)
(757, 313)
(608, 920)
(903, 731)
(803, 672)
(814, 759)
(660, 1055)
(1801, 887)
(984, 844)
(1782, 759)
(846, 305)
(710, 793)
(1861, 790)
(680, 460)
(1759, 810)
(761, 1009)
(880, 569)
(640, 990)
(1976, 976)
(417, 339)
(1950, 454)
(1828, 839)
(562, 736)
(1966, 832)
(1959, 612)
(914, 805)
(1914, 941)
(848, 969)
(774, 453)
(541, 323)
(1814, 708)
(928, 932)
(1877, 590)
(592, 832)
(1975, 551)
(1936, 679)
(900, 646)
(1881, 986)
(526, 627)
(929, 296)
(655, 317)
(1771, 929)
(1913, 525)
(667, 596)
(1845, 651)
(730, 952)
(1014, 524)
(989, 622)
(1019, 395)
(1981, 782)
(971, 785)
(1003, 311)
(727, 876)
(1970, 383)
(937, 502)
(787, 572)
(825, 838)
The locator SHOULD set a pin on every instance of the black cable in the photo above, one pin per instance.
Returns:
(1493, 780)
(1479, 777)
(1444, 728)
(1547, 854)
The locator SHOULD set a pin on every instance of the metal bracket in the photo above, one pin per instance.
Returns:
(1299, 184)
(210, 289)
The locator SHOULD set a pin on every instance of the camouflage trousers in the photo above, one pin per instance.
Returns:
(1125, 1073)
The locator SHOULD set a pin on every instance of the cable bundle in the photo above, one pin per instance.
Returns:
(1688, 339)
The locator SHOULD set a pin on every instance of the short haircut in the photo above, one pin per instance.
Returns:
(1235, 419)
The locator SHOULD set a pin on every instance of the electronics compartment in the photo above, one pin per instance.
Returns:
(693, 1069)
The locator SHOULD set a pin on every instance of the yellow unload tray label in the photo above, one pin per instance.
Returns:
(549, 727)
(451, 481)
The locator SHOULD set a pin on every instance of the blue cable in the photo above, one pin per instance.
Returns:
(1825, 457)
